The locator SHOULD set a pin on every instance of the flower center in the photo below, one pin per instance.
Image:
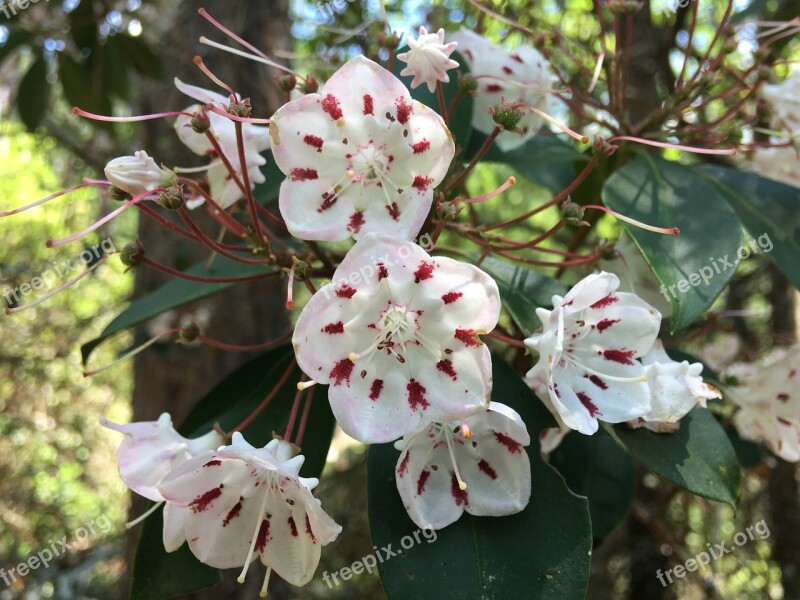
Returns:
(369, 164)
(396, 327)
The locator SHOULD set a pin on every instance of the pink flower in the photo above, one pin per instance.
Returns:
(136, 174)
(478, 465)
(360, 156)
(396, 337)
(428, 59)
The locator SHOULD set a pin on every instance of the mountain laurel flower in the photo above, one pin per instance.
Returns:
(675, 389)
(784, 98)
(395, 334)
(478, 465)
(222, 186)
(587, 353)
(768, 399)
(150, 450)
(428, 59)
(520, 76)
(245, 502)
(136, 174)
(360, 156)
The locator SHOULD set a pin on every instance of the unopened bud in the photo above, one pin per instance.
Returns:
(602, 148)
(507, 115)
(309, 85)
(607, 250)
(200, 122)
(573, 213)
(468, 84)
(172, 197)
(132, 255)
(286, 83)
(240, 109)
(136, 174)
(301, 269)
(189, 333)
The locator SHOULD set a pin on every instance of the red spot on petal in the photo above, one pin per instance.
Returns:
(421, 147)
(423, 272)
(487, 468)
(421, 183)
(393, 210)
(446, 367)
(783, 421)
(517, 57)
(342, 371)
(416, 395)
(308, 530)
(314, 141)
(423, 477)
(513, 445)
(493, 88)
(605, 324)
(345, 291)
(587, 402)
(451, 297)
(232, 514)
(783, 397)
(375, 389)
(369, 108)
(356, 222)
(292, 526)
(328, 200)
(508, 70)
(383, 272)
(263, 536)
(403, 468)
(303, 174)
(403, 110)
(459, 495)
(334, 328)
(598, 382)
(213, 463)
(623, 357)
(202, 502)
(607, 301)
(468, 337)
(331, 106)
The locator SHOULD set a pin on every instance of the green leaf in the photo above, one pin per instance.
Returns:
(595, 467)
(768, 211)
(460, 123)
(158, 575)
(523, 291)
(174, 293)
(115, 69)
(667, 194)
(698, 457)
(542, 552)
(141, 57)
(268, 191)
(81, 86)
(33, 94)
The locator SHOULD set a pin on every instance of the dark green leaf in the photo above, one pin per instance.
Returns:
(698, 457)
(523, 291)
(83, 25)
(141, 57)
(542, 552)
(268, 191)
(115, 69)
(595, 467)
(81, 87)
(33, 94)
(667, 194)
(768, 211)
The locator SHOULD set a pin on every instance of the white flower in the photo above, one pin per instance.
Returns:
(478, 465)
(675, 389)
(768, 397)
(359, 156)
(428, 59)
(396, 337)
(243, 503)
(780, 163)
(137, 174)
(588, 350)
(223, 188)
(518, 76)
(785, 101)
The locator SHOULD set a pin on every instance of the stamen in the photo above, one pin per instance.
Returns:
(263, 592)
(8, 213)
(508, 183)
(85, 113)
(215, 109)
(462, 485)
(141, 518)
(645, 226)
(727, 152)
(597, 69)
(201, 65)
(304, 385)
(133, 352)
(290, 290)
(583, 139)
(465, 430)
(577, 363)
(201, 169)
(253, 57)
(260, 520)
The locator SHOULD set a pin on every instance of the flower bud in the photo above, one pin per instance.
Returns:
(172, 198)
(468, 84)
(136, 174)
(607, 250)
(240, 109)
(131, 255)
(507, 115)
(200, 122)
(301, 269)
(286, 83)
(573, 213)
(602, 148)
(189, 333)
(309, 85)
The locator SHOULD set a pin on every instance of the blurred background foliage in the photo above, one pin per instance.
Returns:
(57, 467)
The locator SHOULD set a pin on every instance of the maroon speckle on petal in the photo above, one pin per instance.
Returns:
(416, 395)
(422, 183)
(328, 200)
(451, 297)
(263, 536)
(331, 106)
(459, 495)
(623, 357)
(314, 141)
(493, 88)
(303, 174)
(783, 421)
(605, 324)
(394, 211)
(345, 291)
(342, 371)
(334, 328)
(487, 468)
(368, 105)
(213, 463)
(446, 367)
(607, 301)
(356, 221)
(783, 397)
(232, 514)
(375, 389)
(517, 57)
(513, 445)
(403, 468)
(468, 337)
(423, 477)
(598, 382)
(202, 502)
(403, 110)
(309, 532)
(423, 272)
(587, 402)
(383, 272)
(292, 526)
(508, 70)
(421, 146)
